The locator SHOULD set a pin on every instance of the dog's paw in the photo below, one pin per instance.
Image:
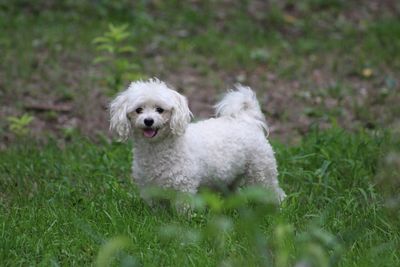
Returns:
(281, 195)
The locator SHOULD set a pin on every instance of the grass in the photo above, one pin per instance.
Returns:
(63, 206)
(197, 30)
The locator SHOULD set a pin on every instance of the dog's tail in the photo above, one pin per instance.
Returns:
(241, 103)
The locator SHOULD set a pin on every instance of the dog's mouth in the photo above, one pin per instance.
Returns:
(150, 132)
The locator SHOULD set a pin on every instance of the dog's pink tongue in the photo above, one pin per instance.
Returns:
(149, 133)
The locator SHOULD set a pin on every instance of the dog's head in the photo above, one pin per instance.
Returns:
(150, 110)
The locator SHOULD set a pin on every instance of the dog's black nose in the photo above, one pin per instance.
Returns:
(148, 122)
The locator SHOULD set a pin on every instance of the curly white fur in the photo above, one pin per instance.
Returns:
(170, 152)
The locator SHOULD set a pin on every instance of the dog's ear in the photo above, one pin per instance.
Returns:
(181, 114)
(119, 122)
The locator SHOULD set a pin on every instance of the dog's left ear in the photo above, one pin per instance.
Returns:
(119, 121)
(181, 114)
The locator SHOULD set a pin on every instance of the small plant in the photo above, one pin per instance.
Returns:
(113, 48)
(19, 125)
(243, 214)
(112, 250)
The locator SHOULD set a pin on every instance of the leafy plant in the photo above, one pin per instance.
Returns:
(243, 214)
(19, 125)
(110, 249)
(114, 51)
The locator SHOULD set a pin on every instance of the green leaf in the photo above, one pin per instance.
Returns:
(106, 47)
(126, 49)
(100, 60)
(110, 250)
(213, 201)
(12, 119)
(101, 39)
(118, 37)
(131, 76)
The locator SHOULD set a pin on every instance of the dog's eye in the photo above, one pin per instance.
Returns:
(139, 110)
(160, 110)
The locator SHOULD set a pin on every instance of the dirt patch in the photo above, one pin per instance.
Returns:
(291, 106)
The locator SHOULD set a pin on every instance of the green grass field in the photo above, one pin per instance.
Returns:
(77, 205)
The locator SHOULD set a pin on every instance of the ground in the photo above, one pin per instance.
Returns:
(311, 62)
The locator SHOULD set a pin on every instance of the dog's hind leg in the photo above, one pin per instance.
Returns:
(262, 170)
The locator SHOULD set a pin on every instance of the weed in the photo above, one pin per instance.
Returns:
(19, 125)
(243, 215)
(113, 47)
(110, 249)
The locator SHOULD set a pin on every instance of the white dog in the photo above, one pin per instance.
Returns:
(170, 152)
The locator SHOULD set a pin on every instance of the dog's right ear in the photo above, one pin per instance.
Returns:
(119, 122)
